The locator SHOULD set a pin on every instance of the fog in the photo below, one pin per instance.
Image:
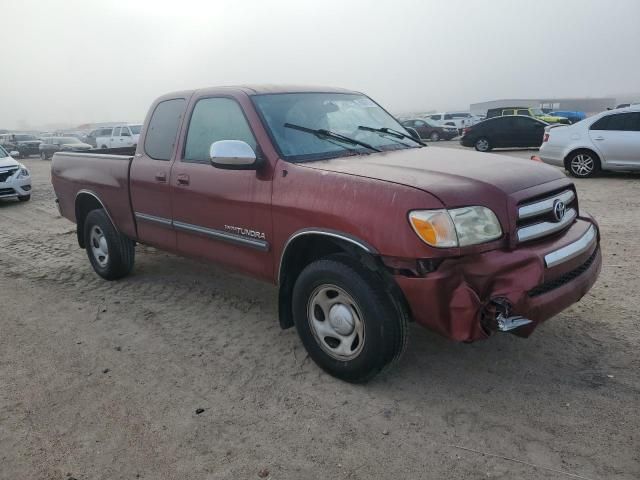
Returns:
(77, 61)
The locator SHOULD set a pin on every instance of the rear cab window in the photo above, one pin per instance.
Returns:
(162, 131)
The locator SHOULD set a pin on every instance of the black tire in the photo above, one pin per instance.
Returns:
(103, 147)
(43, 156)
(384, 321)
(583, 164)
(120, 250)
(24, 198)
(434, 137)
(483, 144)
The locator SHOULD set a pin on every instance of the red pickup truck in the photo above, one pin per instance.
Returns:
(323, 193)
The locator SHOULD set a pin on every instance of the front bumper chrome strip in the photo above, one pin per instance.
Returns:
(572, 250)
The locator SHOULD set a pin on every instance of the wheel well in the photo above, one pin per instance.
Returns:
(576, 150)
(85, 202)
(308, 248)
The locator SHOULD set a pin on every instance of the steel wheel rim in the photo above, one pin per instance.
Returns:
(482, 145)
(582, 164)
(336, 322)
(99, 246)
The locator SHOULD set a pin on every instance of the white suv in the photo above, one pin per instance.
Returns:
(119, 136)
(607, 141)
(460, 120)
(15, 180)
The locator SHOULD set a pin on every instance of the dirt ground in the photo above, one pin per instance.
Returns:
(102, 380)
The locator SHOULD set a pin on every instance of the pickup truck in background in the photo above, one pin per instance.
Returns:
(323, 193)
(118, 137)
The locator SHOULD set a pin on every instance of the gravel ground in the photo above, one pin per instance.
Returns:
(104, 380)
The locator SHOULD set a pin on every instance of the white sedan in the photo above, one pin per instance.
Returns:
(607, 141)
(15, 180)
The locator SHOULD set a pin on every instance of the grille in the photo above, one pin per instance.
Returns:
(7, 191)
(6, 174)
(536, 218)
(563, 279)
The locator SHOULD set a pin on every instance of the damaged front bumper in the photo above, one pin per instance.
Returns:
(468, 298)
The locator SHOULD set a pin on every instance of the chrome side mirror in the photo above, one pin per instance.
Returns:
(233, 155)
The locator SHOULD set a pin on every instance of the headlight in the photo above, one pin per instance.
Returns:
(23, 172)
(457, 227)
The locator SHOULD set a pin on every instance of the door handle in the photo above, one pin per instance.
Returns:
(161, 177)
(599, 138)
(183, 179)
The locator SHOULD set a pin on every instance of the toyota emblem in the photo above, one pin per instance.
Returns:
(559, 209)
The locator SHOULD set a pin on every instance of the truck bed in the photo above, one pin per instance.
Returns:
(104, 176)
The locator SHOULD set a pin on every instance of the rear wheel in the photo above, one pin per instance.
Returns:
(103, 146)
(43, 155)
(583, 164)
(111, 254)
(482, 144)
(346, 319)
(434, 137)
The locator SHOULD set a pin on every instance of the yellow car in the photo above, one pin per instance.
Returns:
(527, 111)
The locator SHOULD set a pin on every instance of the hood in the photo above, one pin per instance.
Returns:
(8, 162)
(453, 175)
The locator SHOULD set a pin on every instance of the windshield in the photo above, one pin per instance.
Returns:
(3, 153)
(135, 129)
(340, 113)
(536, 111)
(22, 138)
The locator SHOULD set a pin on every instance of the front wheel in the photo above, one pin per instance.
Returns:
(482, 145)
(346, 319)
(434, 137)
(111, 254)
(43, 156)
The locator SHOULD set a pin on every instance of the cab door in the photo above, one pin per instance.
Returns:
(221, 215)
(151, 171)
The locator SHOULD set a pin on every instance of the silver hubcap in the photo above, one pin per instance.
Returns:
(482, 145)
(336, 322)
(582, 164)
(99, 246)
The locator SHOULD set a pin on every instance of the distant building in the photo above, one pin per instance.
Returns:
(589, 106)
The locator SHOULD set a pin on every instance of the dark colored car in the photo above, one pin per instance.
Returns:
(51, 145)
(24, 144)
(323, 193)
(512, 131)
(572, 116)
(430, 131)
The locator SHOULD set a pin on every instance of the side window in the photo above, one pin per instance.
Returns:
(162, 130)
(125, 132)
(215, 119)
(116, 132)
(507, 112)
(448, 116)
(419, 123)
(522, 112)
(634, 124)
(435, 117)
(620, 122)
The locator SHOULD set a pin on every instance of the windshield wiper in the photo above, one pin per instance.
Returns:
(391, 132)
(326, 134)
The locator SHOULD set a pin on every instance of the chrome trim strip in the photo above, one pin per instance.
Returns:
(327, 233)
(572, 250)
(542, 229)
(544, 206)
(89, 192)
(225, 236)
(153, 219)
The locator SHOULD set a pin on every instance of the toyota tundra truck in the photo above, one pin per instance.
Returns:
(363, 229)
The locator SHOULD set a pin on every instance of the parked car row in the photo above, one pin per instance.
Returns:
(51, 145)
(114, 137)
(24, 144)
(427, 130)
(527, 112)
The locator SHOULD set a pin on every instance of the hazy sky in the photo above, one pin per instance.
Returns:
(76, 61)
